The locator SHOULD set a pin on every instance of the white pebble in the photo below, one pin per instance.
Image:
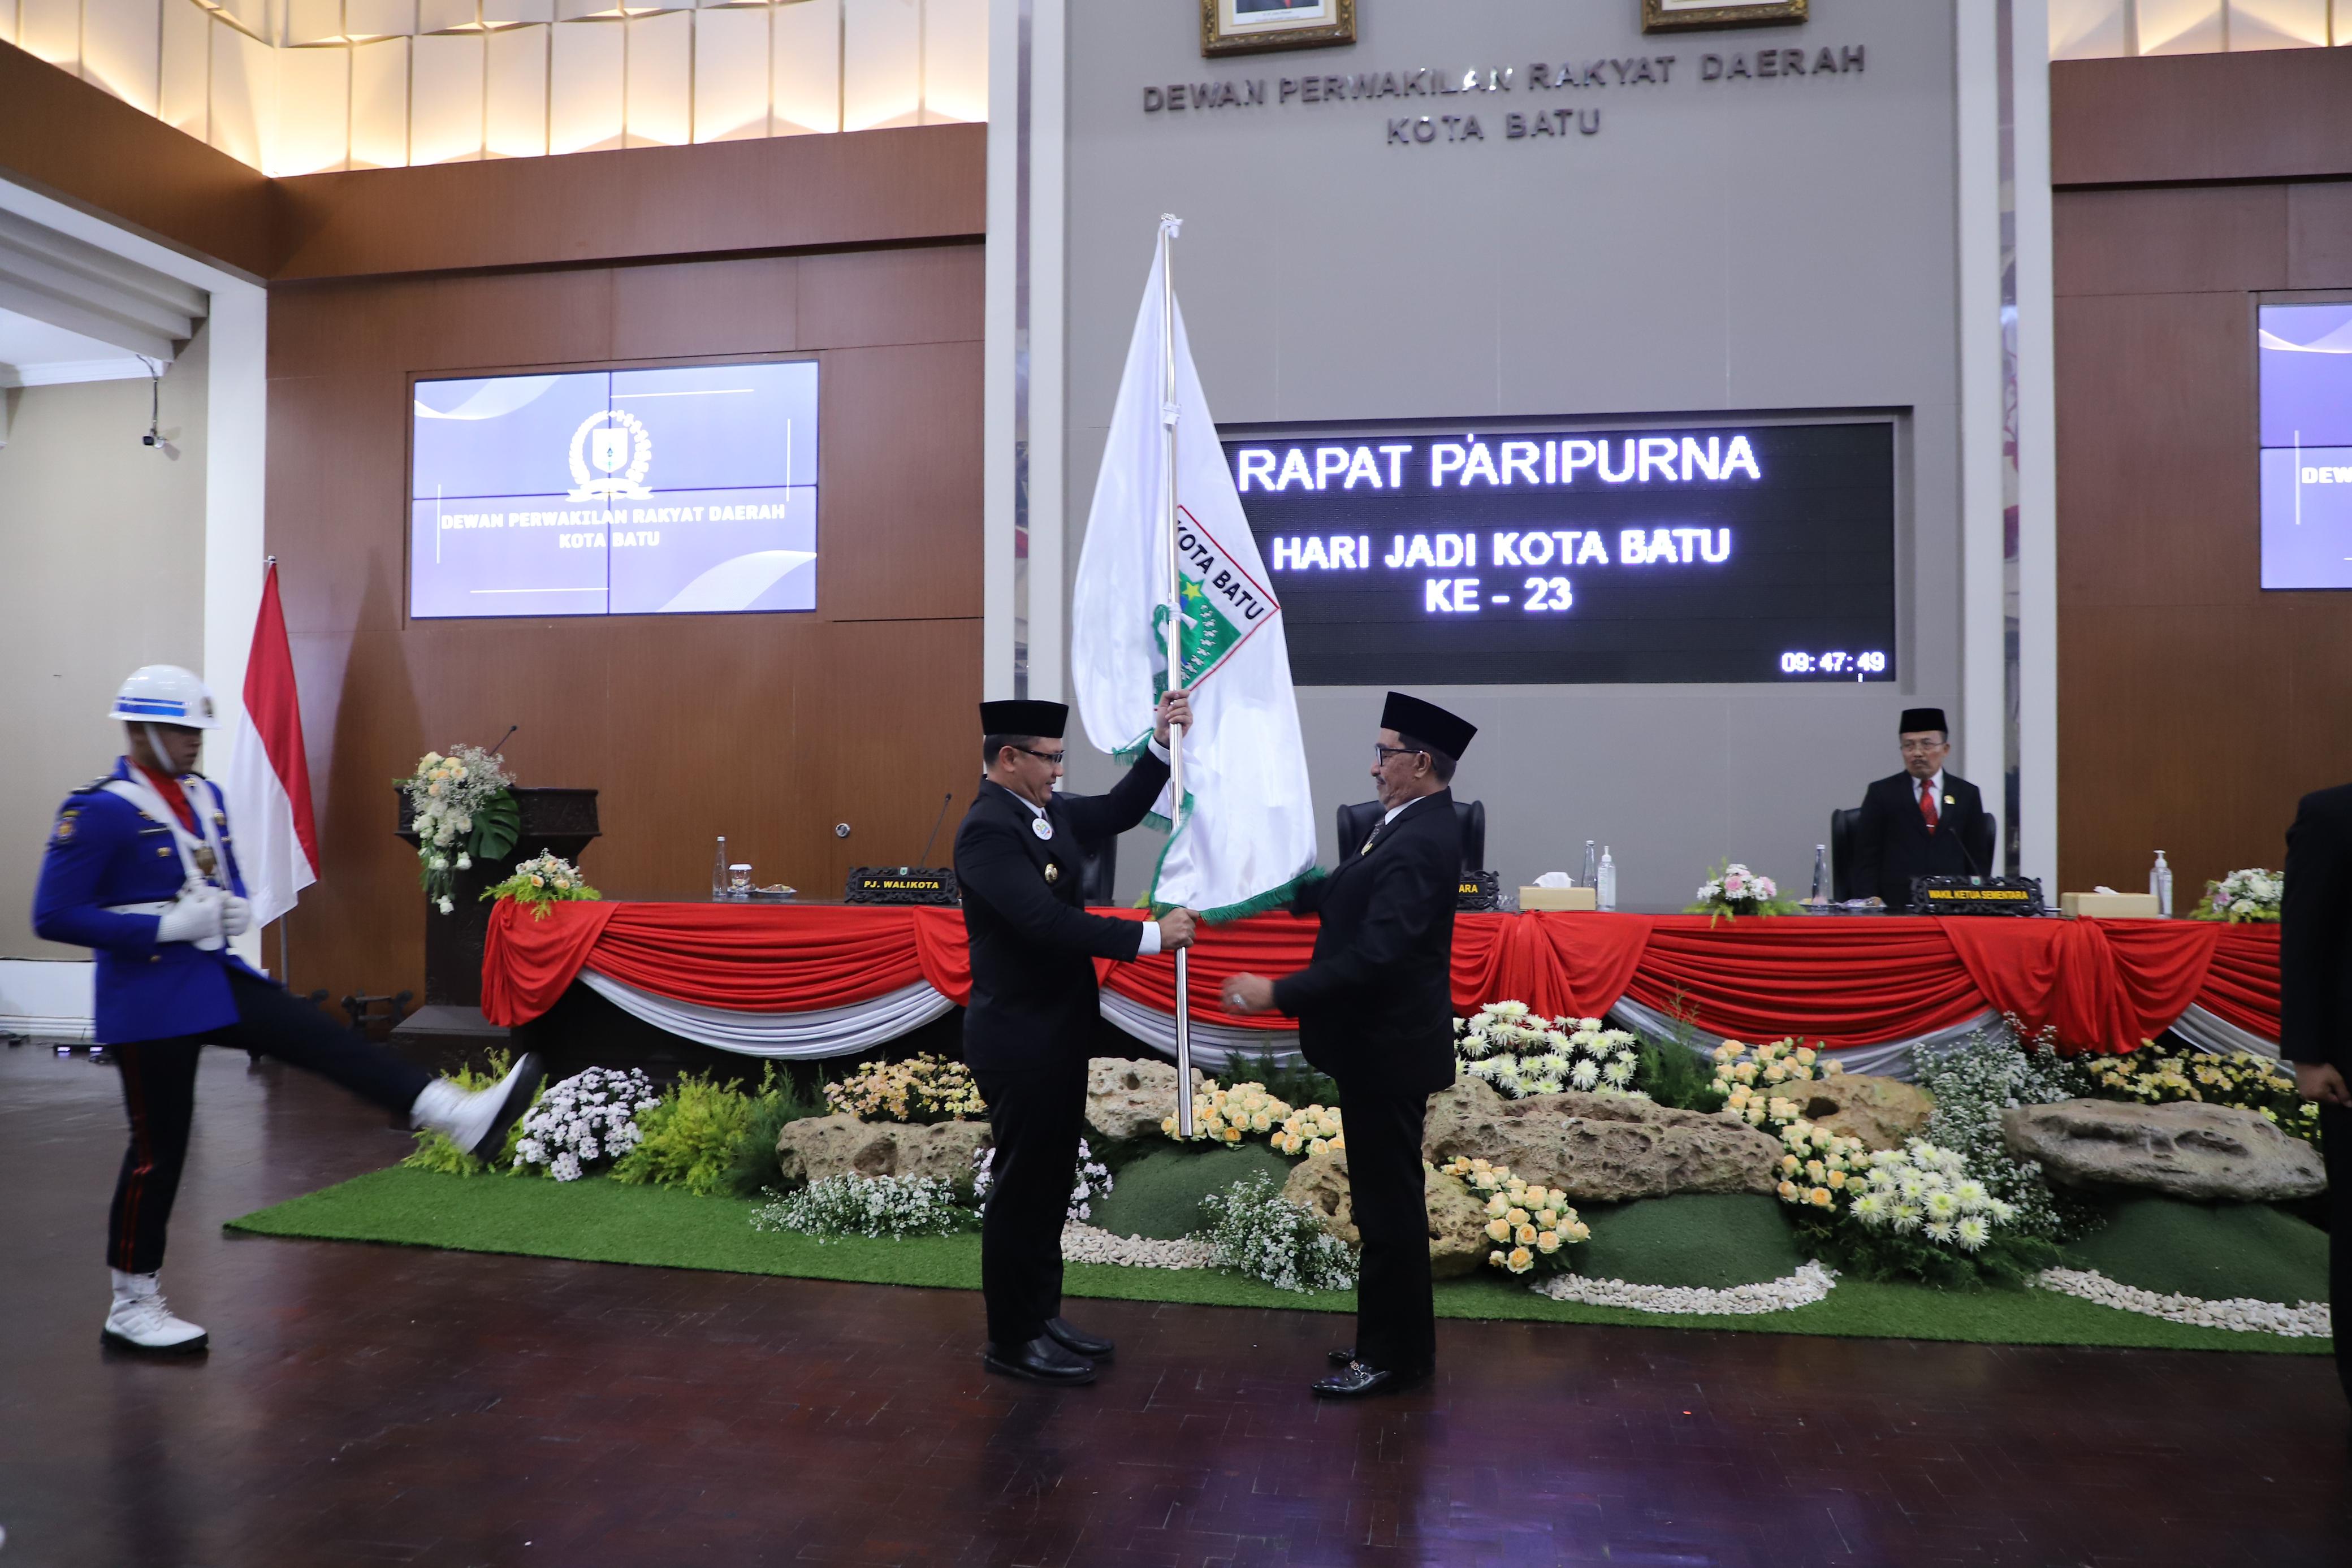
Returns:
(1092, 1244)
(2242, 1314)
(1807, 1285)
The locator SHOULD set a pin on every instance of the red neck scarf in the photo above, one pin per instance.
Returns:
(174, 796)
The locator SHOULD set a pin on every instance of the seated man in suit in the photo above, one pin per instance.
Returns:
(1923, 821)
(1375, 1010)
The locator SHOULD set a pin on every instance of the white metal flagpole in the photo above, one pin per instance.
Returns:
(1169, 226)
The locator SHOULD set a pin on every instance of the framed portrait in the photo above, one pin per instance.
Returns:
(1251, 26)
(1673, 16)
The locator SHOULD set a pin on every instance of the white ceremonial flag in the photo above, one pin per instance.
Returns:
(1247, 832)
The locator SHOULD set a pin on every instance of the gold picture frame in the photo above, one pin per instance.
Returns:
(1679, 15)
(1256, 27)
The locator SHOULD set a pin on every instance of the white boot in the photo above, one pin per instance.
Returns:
(140, 1321)
(476, 1120)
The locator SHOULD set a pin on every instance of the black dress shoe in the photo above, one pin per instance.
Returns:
(1357, 1381)
(1079, 1341)
(1042, 1360)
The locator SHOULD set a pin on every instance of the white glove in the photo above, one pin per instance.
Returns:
(237, 915)
(192, 917)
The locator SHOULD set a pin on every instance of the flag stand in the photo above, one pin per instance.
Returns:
(1169, 226)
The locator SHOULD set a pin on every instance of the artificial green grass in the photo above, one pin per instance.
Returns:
(604, 1222)
(1158, 1193)
(2213, 1251)
(1715, 1241)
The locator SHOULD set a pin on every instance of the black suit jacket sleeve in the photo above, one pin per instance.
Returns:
(992, 862)
(2313, 928)
(1095, 818)
(1405, 896)
(1307, 896)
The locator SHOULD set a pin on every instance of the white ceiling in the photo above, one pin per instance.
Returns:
(74, 311)
(35, 354)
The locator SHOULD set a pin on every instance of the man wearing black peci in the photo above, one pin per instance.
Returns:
(2315, 1010)
(1031, 1020)
(1375, 1010)
(1923, 821)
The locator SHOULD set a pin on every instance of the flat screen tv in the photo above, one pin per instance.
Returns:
(682, 490)
(2305, 354)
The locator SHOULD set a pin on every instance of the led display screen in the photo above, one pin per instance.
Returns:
(2306, 421)
(1736, 552)
(682, 490)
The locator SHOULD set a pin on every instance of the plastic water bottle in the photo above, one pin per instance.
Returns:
(1605, 879)
(2159, 883)
(1820, 873)
(1592, 877)
(719, 870)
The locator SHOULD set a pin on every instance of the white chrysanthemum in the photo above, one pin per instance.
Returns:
(1973, 1232)
(1586, 1074)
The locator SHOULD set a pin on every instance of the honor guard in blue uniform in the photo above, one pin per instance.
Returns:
(141, 868)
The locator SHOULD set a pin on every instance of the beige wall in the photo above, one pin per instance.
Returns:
(101, 570)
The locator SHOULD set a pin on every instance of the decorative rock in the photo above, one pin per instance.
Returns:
(1457, 1220)
(1601, 1148)
(1884, 1113)
(817, 1146)
(1130, 1099)
(2206, 1154)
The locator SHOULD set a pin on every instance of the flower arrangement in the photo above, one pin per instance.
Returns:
(1521, 1053)
(589, 1117)
(852, 1205)
(1818, 1168)
(1309, 1132)
(2159, 1074)
(1221, 1115)
(1254, 1230)
(1747, 1076)
(542, 880)
(1917, 1212)
(1731, 890)
(1973, 1082)
(2252, 894)
(923, 1088)
(462, 808)
(1092, 1181)
(1532, 1225)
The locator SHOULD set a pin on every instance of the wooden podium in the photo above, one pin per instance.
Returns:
(450, 1024)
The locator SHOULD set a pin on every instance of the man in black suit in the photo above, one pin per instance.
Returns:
(1375, 1010)
(1031, 1020)
(2316, 1011)
(1923, 821)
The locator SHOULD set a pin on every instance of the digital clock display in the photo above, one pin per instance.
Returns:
(1732, 553)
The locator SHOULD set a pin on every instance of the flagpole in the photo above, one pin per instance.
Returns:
(1169, 227)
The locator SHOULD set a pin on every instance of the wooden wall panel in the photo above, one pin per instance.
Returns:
(769, 728)
(2270, 114)
(82, 144)
(2194, 708)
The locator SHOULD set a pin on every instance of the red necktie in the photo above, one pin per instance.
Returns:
(1927, 803)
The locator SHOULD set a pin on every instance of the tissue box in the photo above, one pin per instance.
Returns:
(2109, 905)
(1559, 898)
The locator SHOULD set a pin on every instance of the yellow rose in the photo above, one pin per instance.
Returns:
(1520, 1260)
(1789, 1165)
(1525, 1235)
(1516, 1216)
(1819, 1197)
(1499, 1230)
(1547, 1241)
(1788, 1191)
(1837, 1179)
(1496, 1257)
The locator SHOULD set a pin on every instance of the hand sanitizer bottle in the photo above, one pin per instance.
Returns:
(2159, 883)
(1592, 877)
(719, 870)
(1605, 879)
(1820, 873)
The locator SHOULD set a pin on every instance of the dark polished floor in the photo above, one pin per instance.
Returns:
(379, 1406)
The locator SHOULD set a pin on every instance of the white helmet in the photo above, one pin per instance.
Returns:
(165, 694)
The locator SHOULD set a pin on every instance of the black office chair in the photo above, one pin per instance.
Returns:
(1843, 823)
(1100, 870)
(1356, 826)
(1842, 826)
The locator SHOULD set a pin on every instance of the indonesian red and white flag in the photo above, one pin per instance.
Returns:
(268, 776)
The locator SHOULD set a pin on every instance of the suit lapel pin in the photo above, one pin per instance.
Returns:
(1040, 827)
(1053, 872)
(1949, 801)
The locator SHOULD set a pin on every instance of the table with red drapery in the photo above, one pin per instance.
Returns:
(786, 979)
